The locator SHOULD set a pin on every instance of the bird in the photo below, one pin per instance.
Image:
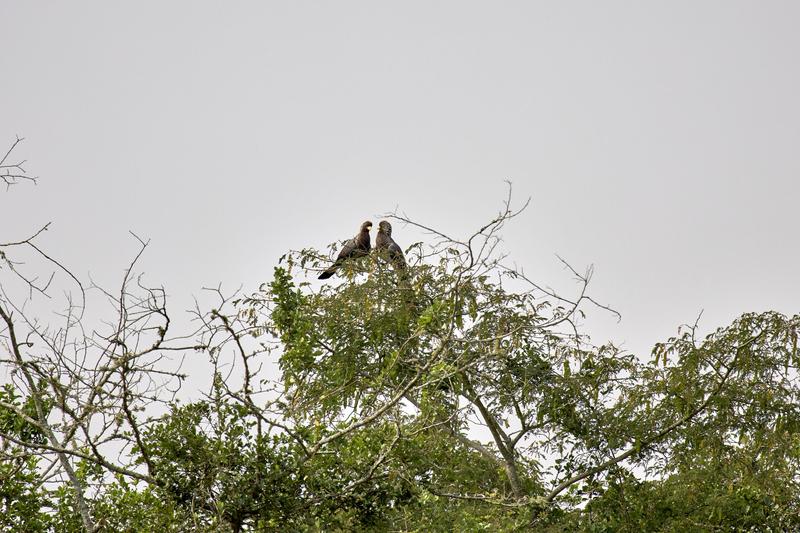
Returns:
(358, 246)
(385, 244)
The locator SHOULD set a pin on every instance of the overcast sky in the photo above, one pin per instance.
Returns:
(659, 141)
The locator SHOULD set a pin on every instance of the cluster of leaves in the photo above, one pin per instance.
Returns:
(22, 503)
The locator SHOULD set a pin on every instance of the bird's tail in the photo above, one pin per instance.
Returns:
(327, 273)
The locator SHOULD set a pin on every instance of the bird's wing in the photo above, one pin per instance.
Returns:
(385, 242)
(348, 250)
(395, 252)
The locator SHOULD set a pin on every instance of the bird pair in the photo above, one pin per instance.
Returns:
(359, 246)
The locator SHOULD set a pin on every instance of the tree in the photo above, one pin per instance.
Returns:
(456, 395)
(83, 390)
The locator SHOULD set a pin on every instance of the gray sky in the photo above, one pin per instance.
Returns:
(658, 140)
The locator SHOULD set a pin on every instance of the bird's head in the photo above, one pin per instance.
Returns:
(366, 226)
(384, 227)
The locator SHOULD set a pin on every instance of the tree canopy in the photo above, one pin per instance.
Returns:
(456, 394)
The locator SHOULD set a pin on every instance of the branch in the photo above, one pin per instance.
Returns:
(11, 173)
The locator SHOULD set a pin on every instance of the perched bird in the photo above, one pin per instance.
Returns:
(385, 244)
(358, 246)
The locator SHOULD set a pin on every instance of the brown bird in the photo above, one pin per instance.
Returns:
(386, 244)
(358, 246)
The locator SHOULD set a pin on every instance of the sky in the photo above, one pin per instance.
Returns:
(658, 141)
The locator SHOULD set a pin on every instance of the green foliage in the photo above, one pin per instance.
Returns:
(711, 423)
(22, 500)
(208, 459)
(130, 507)
(446, 398)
